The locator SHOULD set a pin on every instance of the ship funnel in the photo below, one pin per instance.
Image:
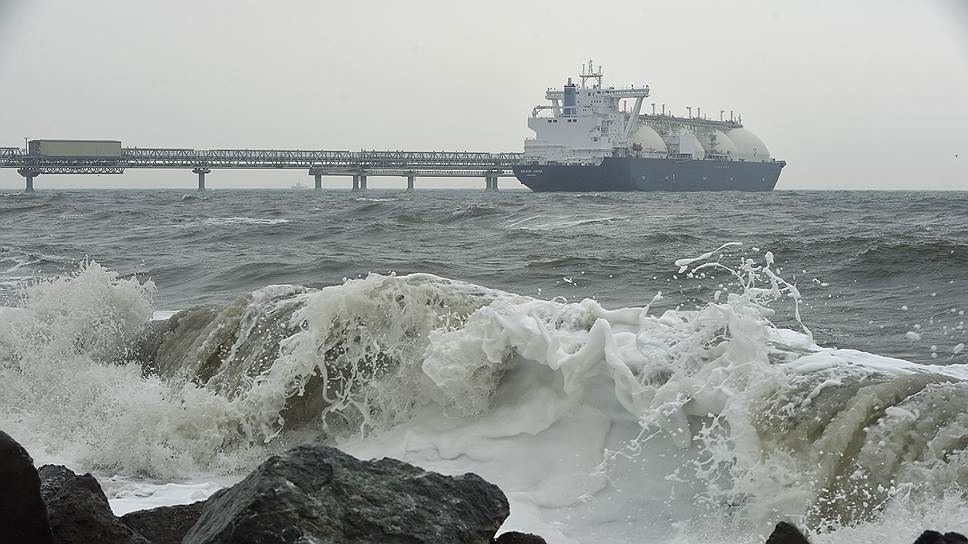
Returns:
(570, 101)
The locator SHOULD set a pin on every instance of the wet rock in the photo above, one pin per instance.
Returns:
(317, 494)
(514, 537)
(164, 525)
(786, 533)
(78, 510)
(23, 516)
(934, 537)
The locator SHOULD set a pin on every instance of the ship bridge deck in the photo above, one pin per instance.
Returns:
(630, 92)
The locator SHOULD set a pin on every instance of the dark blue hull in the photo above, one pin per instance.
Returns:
(637, 174)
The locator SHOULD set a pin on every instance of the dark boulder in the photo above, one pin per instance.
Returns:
(514, 537)
(78, 510)
(934, 537)
(166, 524)
(786, 533)
(317, 494)
(23, 516)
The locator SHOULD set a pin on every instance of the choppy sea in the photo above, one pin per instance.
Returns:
(805, 359)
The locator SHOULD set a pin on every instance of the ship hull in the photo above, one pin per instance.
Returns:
(638, 174)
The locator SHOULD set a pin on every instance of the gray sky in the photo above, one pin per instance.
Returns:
(858, 94)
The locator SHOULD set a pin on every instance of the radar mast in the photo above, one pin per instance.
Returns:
(588, 71)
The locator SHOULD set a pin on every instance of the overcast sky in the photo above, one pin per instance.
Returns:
(858, 94)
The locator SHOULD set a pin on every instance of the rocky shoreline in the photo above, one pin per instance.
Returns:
(311, 494)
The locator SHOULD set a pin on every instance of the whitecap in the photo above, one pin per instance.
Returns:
(546, 223)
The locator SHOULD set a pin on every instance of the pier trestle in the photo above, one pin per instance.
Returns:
(317, 174)
(201, 171)
(29, 174)
(490, 183)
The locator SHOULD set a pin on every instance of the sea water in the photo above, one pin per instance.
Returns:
(627, 368)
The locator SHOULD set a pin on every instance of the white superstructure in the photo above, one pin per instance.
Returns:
(587, 124)
(590, 121)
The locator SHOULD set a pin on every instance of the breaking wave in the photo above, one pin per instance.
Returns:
(600, 425)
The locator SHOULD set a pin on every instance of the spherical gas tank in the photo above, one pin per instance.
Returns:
(717, 143)
(650, 141)
(748, 146)
(688, 143)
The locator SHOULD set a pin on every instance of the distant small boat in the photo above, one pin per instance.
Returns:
(299, 186)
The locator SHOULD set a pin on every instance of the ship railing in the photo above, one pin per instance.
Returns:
(628, 92)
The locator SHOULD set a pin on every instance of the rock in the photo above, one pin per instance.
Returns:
(514, 537)
(164, 525)
(934, 537)
(23, 516)
(318, 494)
(930, 537)
(786, 533)
(78, 510)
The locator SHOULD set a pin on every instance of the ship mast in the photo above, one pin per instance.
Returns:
(588, 72)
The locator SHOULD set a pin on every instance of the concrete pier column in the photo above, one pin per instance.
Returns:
(29, 175)
(201, 177)
(490, 184)
(362, 182)
(317, 174)
(410, 183)
(356, 183)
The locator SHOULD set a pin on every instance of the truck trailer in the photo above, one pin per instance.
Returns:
(100, 149)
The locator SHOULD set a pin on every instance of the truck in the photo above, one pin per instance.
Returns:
(98, 149)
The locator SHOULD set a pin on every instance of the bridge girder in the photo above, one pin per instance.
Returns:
(423, 163)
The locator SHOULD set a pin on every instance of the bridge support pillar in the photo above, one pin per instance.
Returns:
(317, 174)
(356, 183)
(410, 183)
(362, 182)
(29, 176)
(201, 177)
(490, 184)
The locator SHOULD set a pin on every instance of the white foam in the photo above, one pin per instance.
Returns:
(226, 221)
(129, 495)
(600, 425)
(367, 199)
(546, 223)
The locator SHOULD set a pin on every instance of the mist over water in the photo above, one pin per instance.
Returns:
(815, 370)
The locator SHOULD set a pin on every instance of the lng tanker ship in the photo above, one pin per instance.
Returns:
(592, 142)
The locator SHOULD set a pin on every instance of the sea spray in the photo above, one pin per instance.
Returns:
(354, 364)
(98, 385)
(71, 393)
(699, 425)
